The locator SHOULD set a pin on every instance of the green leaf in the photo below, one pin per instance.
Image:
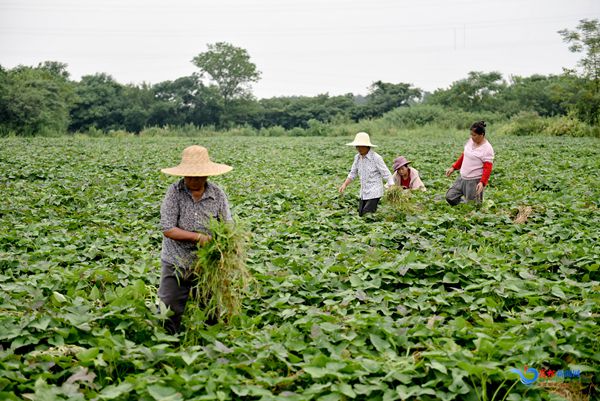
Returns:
(450, 278)
(164, 393)
(345, 389)
(379, 343)
(113, 391)
(88, 355)
(219, 346)
(557, 292)
(437, 366)
(189, 358)
(316, 372)
(58, 298)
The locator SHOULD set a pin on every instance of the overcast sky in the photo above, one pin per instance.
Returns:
(302, 47)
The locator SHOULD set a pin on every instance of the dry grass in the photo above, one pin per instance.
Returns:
(401, 200)
(523, 215)
(570, 391)
(396, 195)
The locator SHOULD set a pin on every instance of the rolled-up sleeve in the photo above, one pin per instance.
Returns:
(225, 211)
(169, 210)
(354, 169)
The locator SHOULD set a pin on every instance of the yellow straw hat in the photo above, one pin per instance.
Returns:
(362, 139)
(196, 163)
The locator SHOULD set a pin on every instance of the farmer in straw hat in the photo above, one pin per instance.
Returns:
(406, 176)
(187, 208)
(371, 169)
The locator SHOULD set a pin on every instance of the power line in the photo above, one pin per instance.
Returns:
(310, 31)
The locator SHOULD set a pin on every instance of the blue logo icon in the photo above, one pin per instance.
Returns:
(524, 379)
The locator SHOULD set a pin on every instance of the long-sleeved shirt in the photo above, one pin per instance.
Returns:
(414, 180)
(372, 170)
(471, 162)
(179, 209)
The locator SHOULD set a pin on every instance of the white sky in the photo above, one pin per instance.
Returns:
(302, 47)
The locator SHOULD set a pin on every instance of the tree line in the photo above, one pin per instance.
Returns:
(44, 99)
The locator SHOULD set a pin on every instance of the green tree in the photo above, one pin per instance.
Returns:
(585, 102)
(577, 94)
(297, 111)
(186, 101)
(4, 110)
(385, 96)
(229, 67)
(539, 93)
(586, 39)
(478, 92)
(56, 68)
(35, 100)
(98, 104)
(136, 106)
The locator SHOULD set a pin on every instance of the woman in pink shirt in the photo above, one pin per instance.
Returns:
(475, 164)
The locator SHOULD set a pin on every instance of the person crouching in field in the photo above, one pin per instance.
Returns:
(186, 210)
(475, 164)
(371, 169)
(406, 176)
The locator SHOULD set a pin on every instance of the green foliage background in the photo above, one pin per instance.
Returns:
(43, 101)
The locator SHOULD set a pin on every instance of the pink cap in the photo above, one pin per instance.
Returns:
(399, 162)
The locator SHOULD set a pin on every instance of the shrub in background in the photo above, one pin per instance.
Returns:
(566, 126)
(422, 115)
(524, 123)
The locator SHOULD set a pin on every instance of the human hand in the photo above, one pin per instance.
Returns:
(203, 239)
(449, 171)
(342, 188)
(479, 188)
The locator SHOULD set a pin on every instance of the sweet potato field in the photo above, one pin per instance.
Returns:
(421, 301)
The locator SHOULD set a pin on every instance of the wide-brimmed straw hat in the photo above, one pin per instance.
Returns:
(399, 162)
(362, 139)
(196, 163)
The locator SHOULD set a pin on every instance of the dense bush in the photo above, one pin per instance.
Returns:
(420, 115)
(530, 123)
(524, 123)
(567, 126)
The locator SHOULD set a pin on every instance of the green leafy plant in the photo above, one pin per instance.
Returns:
(436, 304)
(221, 271)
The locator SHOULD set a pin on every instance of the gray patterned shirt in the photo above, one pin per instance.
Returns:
(371, 169)
(180, 210)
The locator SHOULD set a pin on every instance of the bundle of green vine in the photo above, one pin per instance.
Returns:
(221, 271)
(396, 195)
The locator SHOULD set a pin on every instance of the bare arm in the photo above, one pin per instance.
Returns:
(344, 185)
(457, 164)
(179, 234)
(351, 175)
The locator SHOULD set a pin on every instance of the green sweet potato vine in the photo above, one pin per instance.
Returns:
(221, 270)
(438, 303)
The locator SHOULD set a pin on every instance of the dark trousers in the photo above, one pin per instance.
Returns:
(466, 188)
(367, 206)
(174, 291)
